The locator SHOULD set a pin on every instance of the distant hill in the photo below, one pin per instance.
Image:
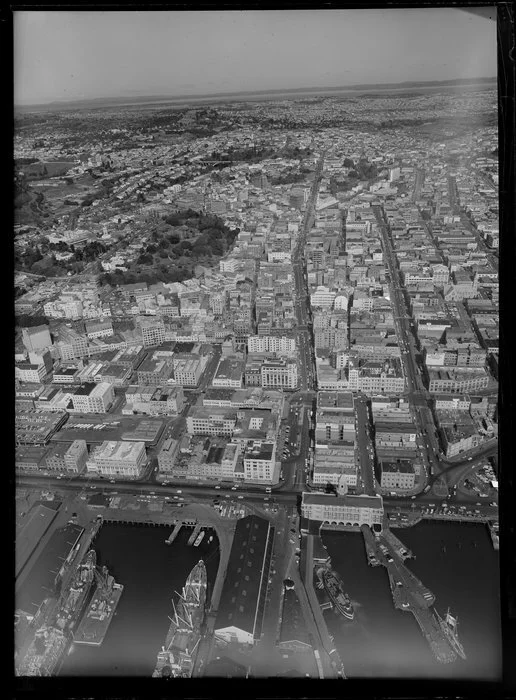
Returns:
(100, 102)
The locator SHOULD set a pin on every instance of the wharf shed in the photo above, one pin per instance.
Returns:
(242, 602)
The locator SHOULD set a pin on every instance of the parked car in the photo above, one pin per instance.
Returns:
(217, 488)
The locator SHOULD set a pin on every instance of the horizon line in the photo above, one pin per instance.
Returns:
(354, 86)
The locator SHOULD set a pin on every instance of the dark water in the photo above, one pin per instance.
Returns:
(151, 571)
(385, 642)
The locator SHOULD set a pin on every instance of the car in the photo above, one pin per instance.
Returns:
(112, 481)
(178, 491)
(176, 498)
(59, 477)
(181, 499)
(240, 497)
(217, 488)
(234, 488)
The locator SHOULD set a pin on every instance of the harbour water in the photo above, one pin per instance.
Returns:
(459, 565)
(151, 572)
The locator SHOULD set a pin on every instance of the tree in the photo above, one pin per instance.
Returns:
(348, 163)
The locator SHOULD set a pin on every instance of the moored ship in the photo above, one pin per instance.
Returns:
(334, 588)
(72, 602)
(44, 654)
(199, 538)
(449, 627)
(176, 658)
(97, 618)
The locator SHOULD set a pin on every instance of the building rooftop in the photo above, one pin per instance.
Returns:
(118, 450)
(349, 501)
(242, 599)
(403, 466)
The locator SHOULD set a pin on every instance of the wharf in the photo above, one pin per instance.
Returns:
(410, 595)
(329, 658)
(95, 623)
(370, 546)
(418, 591)
(194, 534)
(177, 526)
(402, 551)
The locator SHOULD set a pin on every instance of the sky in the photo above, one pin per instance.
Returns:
(79, 55)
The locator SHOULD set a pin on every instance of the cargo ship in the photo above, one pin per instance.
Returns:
(97, 619)
(449, 627)
(176, 658)
(334, 588)
(74, 597)
(44, 654)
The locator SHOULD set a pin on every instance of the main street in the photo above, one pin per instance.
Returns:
(305, 345)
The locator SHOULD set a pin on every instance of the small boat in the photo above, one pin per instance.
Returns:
(199, 538)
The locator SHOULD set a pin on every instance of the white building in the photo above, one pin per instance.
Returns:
(259, 461)
(278, 374)
(118, 458)
(93, 398)
(322, 297)
(350, 511)
(271, 343)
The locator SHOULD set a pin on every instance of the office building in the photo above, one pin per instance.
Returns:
(118, 458)
(93, 398)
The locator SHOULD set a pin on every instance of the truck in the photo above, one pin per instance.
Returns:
(426, 489)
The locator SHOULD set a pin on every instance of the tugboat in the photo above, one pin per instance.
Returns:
(334, 588)
(449, 627)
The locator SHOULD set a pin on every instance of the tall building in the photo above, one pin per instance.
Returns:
(153, 332)
(76, 456)
(279, 374)
(93, 398)
(259, 461)
(271, 343)
(71, 344)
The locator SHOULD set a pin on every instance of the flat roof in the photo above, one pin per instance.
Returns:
(230, 368)
(351, 501)
(118, 449)
(41, 582)
(28, 537)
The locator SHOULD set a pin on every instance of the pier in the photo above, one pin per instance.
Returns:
(330, 659)
(402, 551)
(194, 534)
(370, 545)
(409, 594)
(177, 526)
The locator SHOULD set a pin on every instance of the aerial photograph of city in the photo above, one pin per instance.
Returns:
(256, 346)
